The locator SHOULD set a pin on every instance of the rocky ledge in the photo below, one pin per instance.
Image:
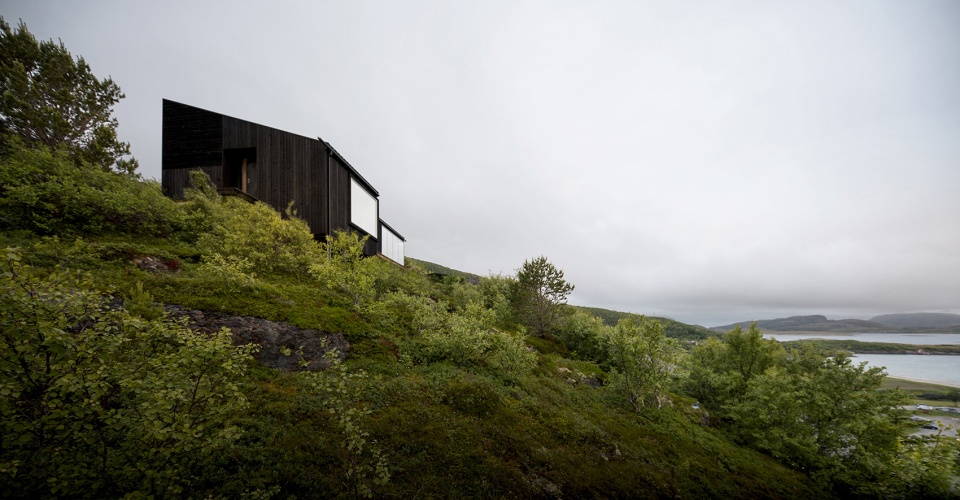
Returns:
(282, 346)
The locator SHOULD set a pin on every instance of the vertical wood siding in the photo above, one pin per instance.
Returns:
(191, 140)
(287, 167)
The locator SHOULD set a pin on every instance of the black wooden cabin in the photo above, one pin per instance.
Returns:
(275, 167)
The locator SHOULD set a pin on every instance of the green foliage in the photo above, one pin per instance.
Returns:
(48, 193)
(468, 338)
(671, 328)
(540, 294)
(140, 303)
(495, 292)
(479, 431)
(237, 237)
(644, 360)
(234, 272)
(344, 269)
(585, 336)
(48, 98)
(825, 415)
(925, 467)
(390, 278)
(719, 371)
(259, 234)
(343, 392)
(96, 401)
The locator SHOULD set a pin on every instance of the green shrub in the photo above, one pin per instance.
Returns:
(644, 360)
(390, 278)
(49, 193)
(342, 392)
(97, 402)
(234, 272)
(468, 338)
(258, 233)
(495, 292)
(344, 268)
(584, 334)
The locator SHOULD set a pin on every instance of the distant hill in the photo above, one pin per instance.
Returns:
(812, 323)
(899, 323)
(918, 320)
(433, 268)
(671, 328)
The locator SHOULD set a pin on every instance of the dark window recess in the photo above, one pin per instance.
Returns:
(238, 167)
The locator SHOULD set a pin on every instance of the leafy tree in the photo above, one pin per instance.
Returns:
(818, 413)
(48, 98)
(643, 360)
(98, 402)
(719, 371)
(541, 292)
(822, 414)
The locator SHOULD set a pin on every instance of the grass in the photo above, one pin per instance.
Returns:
(925, 393)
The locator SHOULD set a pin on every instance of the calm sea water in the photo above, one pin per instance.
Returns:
(944, 370)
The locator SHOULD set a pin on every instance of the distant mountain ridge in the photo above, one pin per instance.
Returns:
(941, 322)
(919, 320)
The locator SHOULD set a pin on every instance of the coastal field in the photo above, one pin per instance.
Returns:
(924, 392)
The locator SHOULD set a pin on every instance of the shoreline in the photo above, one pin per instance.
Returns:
(907, 353)
(820, 332)
(933, 383)
(871, 344)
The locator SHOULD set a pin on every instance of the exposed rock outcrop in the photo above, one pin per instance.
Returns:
(282, 346)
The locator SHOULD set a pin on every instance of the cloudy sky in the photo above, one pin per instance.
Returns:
(709, 161)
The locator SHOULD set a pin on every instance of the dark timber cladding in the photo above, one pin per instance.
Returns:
(271, 165)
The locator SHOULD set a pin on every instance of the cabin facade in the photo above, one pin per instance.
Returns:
(276, 167)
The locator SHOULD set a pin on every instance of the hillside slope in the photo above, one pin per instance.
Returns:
(444, 430)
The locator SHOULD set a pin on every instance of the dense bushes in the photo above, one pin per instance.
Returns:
(238, 231)
(822, 414)
(465, 335)
(97, 401)
(49, 193)
(468, 338)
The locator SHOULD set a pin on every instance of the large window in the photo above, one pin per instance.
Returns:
(391, 245)
(363, 208)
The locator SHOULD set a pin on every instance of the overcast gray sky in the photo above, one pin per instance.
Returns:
(710, 161)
